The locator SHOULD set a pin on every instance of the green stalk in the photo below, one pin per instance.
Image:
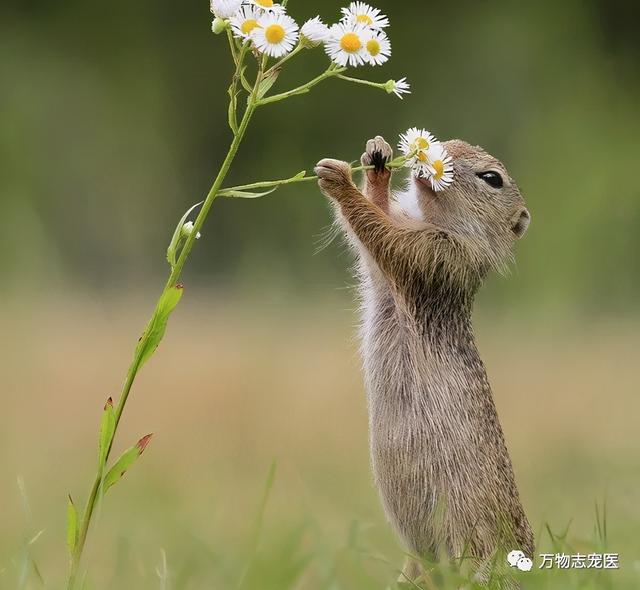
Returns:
(174, 277)
(364, 82)
(397, 163)
(285, 59)
(330, 72)
(253, 102)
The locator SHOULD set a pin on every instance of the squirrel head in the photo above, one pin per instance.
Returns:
(483, 203)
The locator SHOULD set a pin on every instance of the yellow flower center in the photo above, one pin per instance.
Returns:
(422, 156)
(265, 3)
(274, 34)
(249, 25)
(351, 43)
(365, 19)
(373, 47)
(438, 166)
(422, 143)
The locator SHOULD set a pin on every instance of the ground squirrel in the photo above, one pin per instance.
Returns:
(437, 449)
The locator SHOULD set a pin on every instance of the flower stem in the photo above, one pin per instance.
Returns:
(285, 59)
(239, 131)
(364, 82)
(330, 72)
(232, 47)
(277, 183)
(173, 279)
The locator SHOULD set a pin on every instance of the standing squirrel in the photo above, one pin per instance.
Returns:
(437, 449)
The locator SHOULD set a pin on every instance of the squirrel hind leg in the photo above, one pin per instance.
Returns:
(412, 571)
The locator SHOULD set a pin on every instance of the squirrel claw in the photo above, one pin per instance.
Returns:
(378, 160)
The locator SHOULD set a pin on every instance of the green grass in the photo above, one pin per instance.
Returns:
(203, 510)
(301, 557)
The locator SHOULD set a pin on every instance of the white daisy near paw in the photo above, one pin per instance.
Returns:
(276, 34)
(346, 44)
(267, 5)
(244, 22)
(440, 166)
(377, 47)
(225, 8)
(314, 31)
(398, 87)
(514, 557)
(524, 564)
(363, 14)
(415, 145)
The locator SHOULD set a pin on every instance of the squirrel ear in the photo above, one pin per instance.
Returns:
(520, 222)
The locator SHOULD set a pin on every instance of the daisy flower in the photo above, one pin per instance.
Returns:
(276, 34)
(361, 13)
(440, 167)
(244, 21)
(415, 145)
(377, 47)
(346, 44)
(225, 8)
(398, 87)
(267, 5)
(315, 31)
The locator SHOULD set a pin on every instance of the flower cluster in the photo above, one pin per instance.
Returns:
(427, 157)
(358, 39)
(263, 22)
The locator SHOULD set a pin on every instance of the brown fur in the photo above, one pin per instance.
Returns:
(437, 449)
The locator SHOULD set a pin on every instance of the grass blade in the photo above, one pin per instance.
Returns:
(257, 534)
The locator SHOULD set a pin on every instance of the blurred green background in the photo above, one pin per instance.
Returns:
(113, 123)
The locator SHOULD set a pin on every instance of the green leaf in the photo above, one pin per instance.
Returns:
(241, 192)
(267, 82)
(72, 526)
(107, 428)
(244, 82)
(172, 250)
(247, 194)
(126, 460)
(397, 162)
(233, 108)
(302, 174)
(158, 325)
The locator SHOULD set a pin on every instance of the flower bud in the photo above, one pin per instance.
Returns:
(398, 87)
(219, 25)
(187, 230)
(314, 32)
(142, 444)
(225, 8)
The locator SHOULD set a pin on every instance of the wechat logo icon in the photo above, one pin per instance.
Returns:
(520, 560)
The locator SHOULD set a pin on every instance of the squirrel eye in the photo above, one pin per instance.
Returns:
(491, 178)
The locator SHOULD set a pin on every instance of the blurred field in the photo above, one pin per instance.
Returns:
(113, 123)
(235, 387)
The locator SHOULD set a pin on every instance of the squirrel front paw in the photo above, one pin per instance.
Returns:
(334, 177)
(378, 153)
(378, 179)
